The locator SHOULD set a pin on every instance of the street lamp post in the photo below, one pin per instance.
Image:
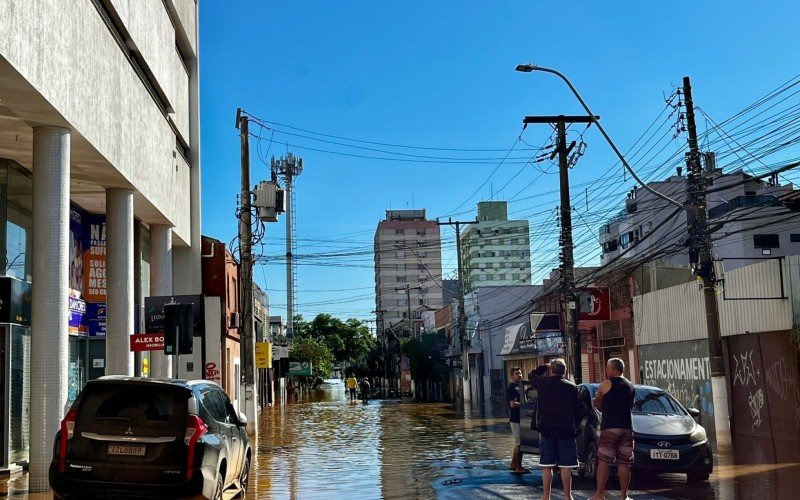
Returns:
(527, 68)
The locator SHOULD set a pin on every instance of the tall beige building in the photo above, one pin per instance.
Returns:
(408, 269)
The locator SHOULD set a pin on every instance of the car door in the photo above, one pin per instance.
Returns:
(529, 398)
(237, 441)
(586, 423)
(214, 400)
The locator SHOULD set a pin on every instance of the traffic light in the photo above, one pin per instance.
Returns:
(178, 328)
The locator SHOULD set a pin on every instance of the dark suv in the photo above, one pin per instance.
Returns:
(136, 437)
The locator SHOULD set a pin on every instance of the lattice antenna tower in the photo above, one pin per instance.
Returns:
(288, 167)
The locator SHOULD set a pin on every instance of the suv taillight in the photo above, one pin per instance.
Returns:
(67, 430)
(195, 429)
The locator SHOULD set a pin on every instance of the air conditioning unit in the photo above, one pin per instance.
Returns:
(235, 320)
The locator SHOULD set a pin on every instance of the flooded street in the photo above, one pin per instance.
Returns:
(327, 448)
(332, 448)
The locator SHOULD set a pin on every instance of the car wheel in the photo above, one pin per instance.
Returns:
(590, 469)
(218, 488)
(697, 477)
(244, 476)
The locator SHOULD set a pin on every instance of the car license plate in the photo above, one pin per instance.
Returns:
(665, 454)
(134, 450)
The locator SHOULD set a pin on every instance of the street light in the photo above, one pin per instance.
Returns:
(529, 67)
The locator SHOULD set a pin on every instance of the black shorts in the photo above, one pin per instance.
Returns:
(562, 452)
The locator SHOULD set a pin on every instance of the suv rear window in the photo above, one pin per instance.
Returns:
(128, 404)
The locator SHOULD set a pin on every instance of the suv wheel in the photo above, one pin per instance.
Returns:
(243, 478)
(590, 469)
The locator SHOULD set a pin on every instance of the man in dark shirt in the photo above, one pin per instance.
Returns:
(512, 397)
(615, 399)
(559, 418)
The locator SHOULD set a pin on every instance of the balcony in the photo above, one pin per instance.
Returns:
(743, 201)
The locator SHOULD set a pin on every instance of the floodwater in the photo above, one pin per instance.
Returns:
(330, 448)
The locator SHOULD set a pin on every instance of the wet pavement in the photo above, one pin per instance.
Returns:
(328, 448)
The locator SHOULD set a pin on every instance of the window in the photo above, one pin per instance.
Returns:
(401, 279)
(794, 238)
(399, 231)
(766, 241)
(515, 276)
(420, 232)
(402, 302)
(401, 254)
(401, 267)
(489, 277)
(422, 302)
(421, 267)
(422, 255)
(501, 277)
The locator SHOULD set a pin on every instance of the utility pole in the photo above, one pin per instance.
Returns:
(462, 316)
(700, 256)
(246, 278)
(570, 299)
(407, 287)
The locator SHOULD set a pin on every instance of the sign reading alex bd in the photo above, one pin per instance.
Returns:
(178, 329)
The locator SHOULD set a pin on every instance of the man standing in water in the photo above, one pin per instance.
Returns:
(512, 397)
(352, 387)
(615, 399)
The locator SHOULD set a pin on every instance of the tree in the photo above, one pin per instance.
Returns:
(349, 341)
(425, 359)
(315, 352)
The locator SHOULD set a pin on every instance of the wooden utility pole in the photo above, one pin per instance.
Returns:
(701, 258)
(246, 278)
(568, 292)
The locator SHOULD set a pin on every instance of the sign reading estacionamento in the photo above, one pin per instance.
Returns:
(147, 342)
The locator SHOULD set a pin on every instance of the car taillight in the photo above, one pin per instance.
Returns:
(195, 429)
(67, 430)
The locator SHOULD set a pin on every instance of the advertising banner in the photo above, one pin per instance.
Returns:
(595, 304)
(76, 218)
(263, 355)
(77, 316)
(96, 319)
(147, 342)
(154, 312)
(94, 258)
(297, 369)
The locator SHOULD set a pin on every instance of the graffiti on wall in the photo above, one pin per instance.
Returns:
(744, 372)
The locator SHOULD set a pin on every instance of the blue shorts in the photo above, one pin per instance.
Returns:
(562, 452)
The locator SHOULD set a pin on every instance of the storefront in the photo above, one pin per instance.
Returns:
(529, 345)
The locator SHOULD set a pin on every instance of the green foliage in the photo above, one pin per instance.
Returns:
(348, 341)
(425, 358)
(308, 349)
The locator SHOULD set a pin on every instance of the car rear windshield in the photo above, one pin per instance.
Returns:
(656, 402)
(134, 405)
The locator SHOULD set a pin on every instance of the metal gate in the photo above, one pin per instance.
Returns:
(765, 398)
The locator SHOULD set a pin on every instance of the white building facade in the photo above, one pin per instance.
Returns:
(496, 251)
(100, 156)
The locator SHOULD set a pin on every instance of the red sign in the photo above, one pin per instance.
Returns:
(147, 342)
(595, 304)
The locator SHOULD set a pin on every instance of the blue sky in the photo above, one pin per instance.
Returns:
(441, 75)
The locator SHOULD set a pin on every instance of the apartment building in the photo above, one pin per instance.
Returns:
(408, 270)
(496, 250)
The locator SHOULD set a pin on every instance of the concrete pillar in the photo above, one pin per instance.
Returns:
(160, 285)
(49, 307)
(119, 281)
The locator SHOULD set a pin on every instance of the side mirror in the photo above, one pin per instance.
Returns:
(694, 412)
(242, 419)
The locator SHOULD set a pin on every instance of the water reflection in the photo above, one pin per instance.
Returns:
(328, 447)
